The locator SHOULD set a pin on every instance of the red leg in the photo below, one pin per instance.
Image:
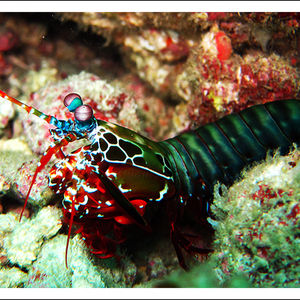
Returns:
(45, 159)
(180, 242)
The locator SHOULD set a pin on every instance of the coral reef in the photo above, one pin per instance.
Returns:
(213, 87)
(158, 74)
(154, 113)
(49, 269)
(23, 243)
(257, 224)
(143, 36)
(212, 63)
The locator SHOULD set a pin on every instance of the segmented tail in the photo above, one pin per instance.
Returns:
(220, 150)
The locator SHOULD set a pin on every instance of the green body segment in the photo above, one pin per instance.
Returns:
(287, 116)
(219, 151)
(135, 149)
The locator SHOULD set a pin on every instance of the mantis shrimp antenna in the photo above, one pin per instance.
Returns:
(29, 109)
(71, 101)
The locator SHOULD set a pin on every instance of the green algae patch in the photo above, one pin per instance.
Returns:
(202, 276)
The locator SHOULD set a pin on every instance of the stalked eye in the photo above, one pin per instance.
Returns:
(83, 113)
(72, 101)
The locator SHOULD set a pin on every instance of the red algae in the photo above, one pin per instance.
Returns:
(223, 44)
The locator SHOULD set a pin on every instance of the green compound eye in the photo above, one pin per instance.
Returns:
(72, 101)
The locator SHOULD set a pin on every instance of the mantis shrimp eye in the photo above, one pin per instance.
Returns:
(83, 113)
(72, 101)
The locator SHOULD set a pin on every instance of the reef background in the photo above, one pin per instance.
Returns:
(158, 74)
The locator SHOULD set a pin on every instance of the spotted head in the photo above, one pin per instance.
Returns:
(116, 176)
